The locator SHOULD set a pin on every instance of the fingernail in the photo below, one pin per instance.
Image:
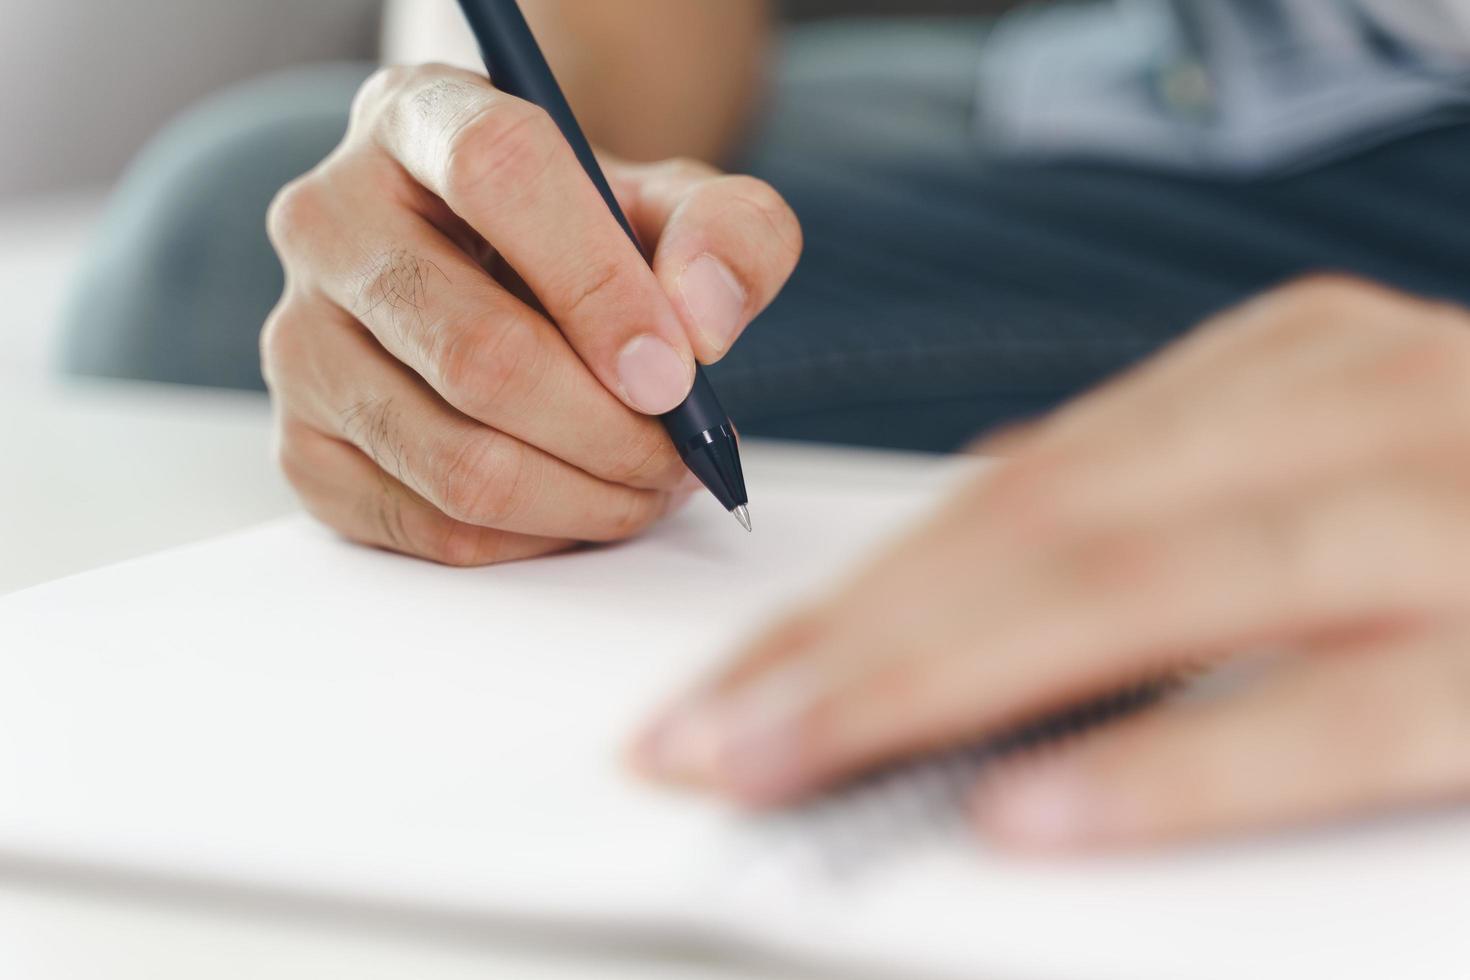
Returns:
(714, 299)
(645, 751)
(1049, 808)
(653, 376)
(744, 745)
(683, 743)
(759, 754)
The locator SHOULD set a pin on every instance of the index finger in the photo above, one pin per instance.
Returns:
(502, 165)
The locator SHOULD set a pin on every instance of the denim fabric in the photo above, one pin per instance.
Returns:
(942, 291)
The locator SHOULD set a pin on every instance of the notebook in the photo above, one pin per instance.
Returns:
(280, 710)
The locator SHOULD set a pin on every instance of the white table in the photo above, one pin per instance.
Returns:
(60, 935)
(96, 473)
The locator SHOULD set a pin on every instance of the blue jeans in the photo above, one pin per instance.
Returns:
(942, 292)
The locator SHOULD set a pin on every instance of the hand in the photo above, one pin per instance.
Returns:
(1293, 477)
(468, 349)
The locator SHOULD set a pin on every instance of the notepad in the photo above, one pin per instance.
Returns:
(281, 710)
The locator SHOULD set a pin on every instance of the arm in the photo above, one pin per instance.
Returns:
(649, 79)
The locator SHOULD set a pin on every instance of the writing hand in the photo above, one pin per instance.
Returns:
(468, 348)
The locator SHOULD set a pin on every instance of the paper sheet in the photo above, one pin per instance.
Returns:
(284, 710)
(284, 707)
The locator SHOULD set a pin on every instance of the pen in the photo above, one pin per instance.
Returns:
(699, 427)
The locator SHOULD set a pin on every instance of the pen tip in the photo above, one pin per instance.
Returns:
(742, 514)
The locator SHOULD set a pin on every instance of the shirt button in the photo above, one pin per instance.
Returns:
(1185, 87)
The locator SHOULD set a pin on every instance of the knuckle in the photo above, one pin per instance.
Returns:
(280, 343)
(1424, 371)
(372, 423)
(393, 289)
(481, 481)
(678, 171)
(643, 460)
(1037, 494)
(291, 456)
(1324, 288)
(1439, 359)
(765, 203)
(377, 92)
(903, 687)
(438, 91)
(1116, 563)
(479, 366)
(386, 513)
(632, 516)
(503, 146)
(754, 192)
(1328, 296)
(599, 282)
(460, 545)
(295, 209)
(423, 89)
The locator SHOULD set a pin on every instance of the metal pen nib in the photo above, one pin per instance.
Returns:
(742, 514)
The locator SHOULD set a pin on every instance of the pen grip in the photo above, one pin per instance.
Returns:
(518, 67)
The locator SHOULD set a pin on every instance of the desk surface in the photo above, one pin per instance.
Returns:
(50, 935)
(94, 473)
(97, 473)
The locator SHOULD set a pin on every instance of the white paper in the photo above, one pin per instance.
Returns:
(280, 709)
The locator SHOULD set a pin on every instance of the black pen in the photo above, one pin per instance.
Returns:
(700, 430)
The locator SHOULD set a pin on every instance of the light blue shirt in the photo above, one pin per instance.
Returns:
(1221, 87)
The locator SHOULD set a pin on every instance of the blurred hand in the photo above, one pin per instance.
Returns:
(468, 349)
(1294, 477)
